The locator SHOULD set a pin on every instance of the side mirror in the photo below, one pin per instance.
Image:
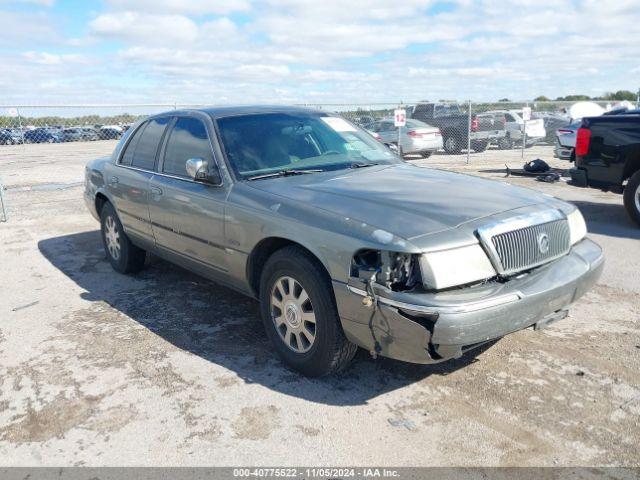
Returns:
(198, 169)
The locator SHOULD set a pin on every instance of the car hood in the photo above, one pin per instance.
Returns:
(406, 200)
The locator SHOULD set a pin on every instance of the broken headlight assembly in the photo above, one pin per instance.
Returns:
(454, 267)
(394, 270)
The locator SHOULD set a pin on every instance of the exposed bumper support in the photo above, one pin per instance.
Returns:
(427, 328)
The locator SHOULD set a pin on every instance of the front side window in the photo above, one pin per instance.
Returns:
(188, 139)
(274, 142)
(144, 155)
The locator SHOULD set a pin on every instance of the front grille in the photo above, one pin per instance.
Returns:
(521, 249)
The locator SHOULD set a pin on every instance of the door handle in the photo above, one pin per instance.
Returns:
(113, 181)
(156, 191)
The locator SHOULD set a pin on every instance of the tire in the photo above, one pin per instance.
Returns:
(452, 145)
(479, 146)
(505, 143)
(126, 257)
(315, 348)
(632, 197)
(425, 154)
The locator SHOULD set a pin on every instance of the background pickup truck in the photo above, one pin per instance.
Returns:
(608, 155)
(453, 122)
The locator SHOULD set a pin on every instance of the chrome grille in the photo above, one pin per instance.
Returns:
(521, 249)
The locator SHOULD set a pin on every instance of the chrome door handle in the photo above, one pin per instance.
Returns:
(156, 191)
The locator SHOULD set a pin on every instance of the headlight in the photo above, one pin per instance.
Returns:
(577, 227)
(457, 266)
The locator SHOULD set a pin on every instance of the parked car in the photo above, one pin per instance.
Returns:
(10, 137)
(79, 134)
(89, 134)
(342, 242)
(607, 157)
(566, 141)
(416, 137)
(453, 122)
(109, 133)
(516, 128)
(41, 135)
(552, 121)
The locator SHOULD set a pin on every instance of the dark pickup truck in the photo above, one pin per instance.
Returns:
(453, 121)
(608, 157)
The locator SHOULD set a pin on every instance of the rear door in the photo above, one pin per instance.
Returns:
(188, 216)
(128, 179)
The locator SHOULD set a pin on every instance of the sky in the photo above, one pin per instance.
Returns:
(314, 51)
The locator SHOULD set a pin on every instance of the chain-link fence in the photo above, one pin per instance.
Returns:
(433, 127)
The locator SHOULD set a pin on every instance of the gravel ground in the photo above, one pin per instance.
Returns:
(166, 368)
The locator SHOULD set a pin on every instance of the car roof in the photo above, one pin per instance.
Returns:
(232, 111)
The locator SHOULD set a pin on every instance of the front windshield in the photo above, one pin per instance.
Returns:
(261, 144)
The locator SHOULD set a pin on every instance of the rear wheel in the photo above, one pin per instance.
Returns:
(505, 143)
(479, 146)
(632, 197)
(426, 154)
(123, 255)
(452, 145)
(300, 316)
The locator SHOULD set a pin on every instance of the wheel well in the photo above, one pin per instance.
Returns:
(100, 201)
(630, 168)
(261, 253)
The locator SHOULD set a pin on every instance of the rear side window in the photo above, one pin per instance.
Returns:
(144, 155)
(127, 156)
(188, 139)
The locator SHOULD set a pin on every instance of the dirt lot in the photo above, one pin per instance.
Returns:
(168, 369)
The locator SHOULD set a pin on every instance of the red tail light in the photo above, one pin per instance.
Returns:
(582, 142)
(474, 124)
(438, 133)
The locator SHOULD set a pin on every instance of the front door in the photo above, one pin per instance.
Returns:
(187, 217)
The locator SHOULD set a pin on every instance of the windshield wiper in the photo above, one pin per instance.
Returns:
(284, 173)
(362, 165)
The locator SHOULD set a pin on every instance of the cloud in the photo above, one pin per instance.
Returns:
(331, 51)
(181, 7)
(139, 27)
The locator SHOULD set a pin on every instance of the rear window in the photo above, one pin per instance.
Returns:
(144, 155)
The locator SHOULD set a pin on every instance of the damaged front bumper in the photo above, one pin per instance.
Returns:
(433, 327)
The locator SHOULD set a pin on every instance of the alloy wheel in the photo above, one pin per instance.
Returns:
(112, 237)
(293, 314)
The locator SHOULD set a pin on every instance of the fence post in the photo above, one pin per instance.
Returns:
(21, 131)
(4, 208)
(469, 133)
(524, 135)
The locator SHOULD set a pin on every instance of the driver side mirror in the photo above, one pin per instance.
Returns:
(198, 170)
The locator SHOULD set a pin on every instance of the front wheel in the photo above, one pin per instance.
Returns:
(300, 316)
(123, 255)
(452, 145)
(479, 146)
(632, 197)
